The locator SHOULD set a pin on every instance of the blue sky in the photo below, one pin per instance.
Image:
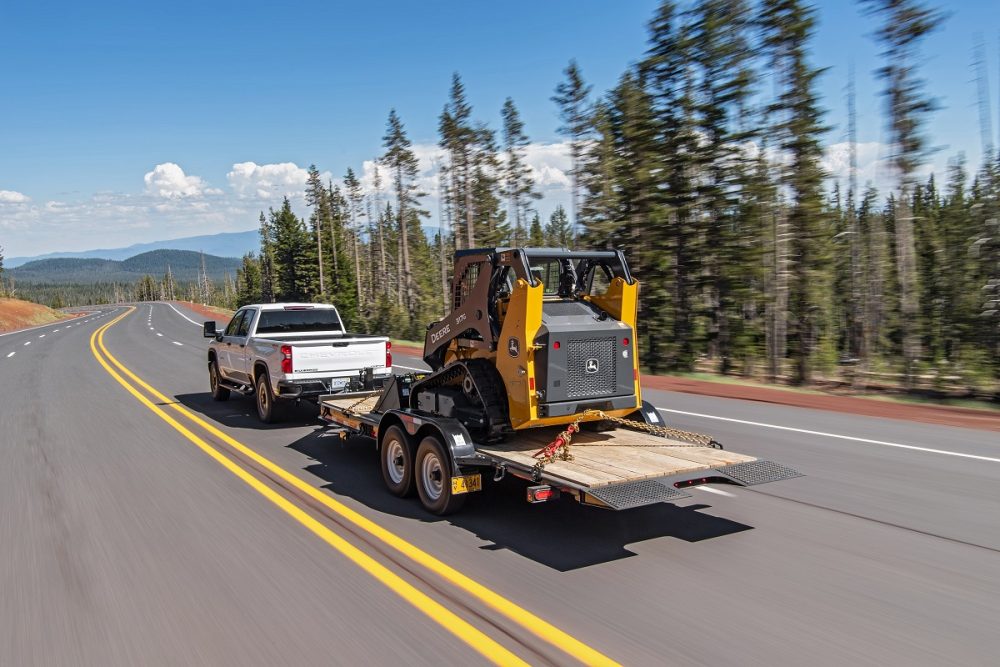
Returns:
(242, 96)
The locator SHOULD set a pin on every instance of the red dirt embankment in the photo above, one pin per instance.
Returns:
(925, 413)
(208, 312)
(16, 314)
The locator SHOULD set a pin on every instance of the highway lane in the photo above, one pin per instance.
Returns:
(744, 577)
(123, 544)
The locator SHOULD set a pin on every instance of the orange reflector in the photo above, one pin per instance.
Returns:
(531, 384)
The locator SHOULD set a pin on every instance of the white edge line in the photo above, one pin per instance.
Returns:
(181, 314)
(883, 443)
(410, 368)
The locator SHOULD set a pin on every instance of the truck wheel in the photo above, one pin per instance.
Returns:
(267, 407)
(219, 393)
(396, 457)
(434, 479)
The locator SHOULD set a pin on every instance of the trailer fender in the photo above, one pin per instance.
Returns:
(450, 432)
(648, 414)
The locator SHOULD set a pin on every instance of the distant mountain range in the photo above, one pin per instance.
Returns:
(184, 264)
(227, 244)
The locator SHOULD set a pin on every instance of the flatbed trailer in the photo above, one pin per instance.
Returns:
(615, 469)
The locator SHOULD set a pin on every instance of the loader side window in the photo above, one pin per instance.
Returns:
(599, 280)
(466, 283)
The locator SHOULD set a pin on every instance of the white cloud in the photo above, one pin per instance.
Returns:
(13, 197)
(169, 181)
(250, 180)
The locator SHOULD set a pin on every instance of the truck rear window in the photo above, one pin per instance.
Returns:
(298, 321)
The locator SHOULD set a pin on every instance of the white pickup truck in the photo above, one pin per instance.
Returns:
(284, 352)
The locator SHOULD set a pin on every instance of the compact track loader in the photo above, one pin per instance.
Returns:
(535, 373)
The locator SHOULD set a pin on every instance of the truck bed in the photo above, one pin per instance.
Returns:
(612, 457)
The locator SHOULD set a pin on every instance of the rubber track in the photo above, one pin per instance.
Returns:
(492, 395)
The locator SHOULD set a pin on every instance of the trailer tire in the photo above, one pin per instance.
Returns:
(219, 393)
(396, 460)
(268, 409)
(433, 473)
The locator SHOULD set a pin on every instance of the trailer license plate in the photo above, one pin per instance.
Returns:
(466, 484)
(338, 383)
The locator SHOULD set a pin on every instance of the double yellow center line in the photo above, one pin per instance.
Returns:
(471, 635)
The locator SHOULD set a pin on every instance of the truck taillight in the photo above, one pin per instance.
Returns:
(388, 354)
(286, 358)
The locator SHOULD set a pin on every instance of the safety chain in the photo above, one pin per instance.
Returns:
(373, 399)
(559, 447)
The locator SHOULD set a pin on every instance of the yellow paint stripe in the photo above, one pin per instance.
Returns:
(447, 619)
(528, 620)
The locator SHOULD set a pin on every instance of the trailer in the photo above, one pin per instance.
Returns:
(618, 469)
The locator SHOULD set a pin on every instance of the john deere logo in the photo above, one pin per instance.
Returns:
(513, 347)
(592, 365)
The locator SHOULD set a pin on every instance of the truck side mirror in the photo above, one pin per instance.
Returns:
(208, 329)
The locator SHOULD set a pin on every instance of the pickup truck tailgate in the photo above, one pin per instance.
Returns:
(349, 354)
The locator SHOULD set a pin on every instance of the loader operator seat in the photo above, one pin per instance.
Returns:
(567, 279)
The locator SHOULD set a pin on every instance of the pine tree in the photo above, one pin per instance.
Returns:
(536, 235)
(906, 22)
(205, 288)
(718, 32)
(316, 197)
(355, 197)
(559, 232)
(572, 99)
(788, 27)
(670, 260)
(519, 185)
(289, 242)
(248, 281)
(403, 167)
(458, 139)
(267, 269)
(3, 289)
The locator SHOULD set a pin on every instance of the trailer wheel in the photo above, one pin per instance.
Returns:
(396, 458)
(219, 393)
(267, 406)
(434, 479)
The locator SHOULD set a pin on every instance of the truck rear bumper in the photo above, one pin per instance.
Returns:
(629, 495)
(313, 389)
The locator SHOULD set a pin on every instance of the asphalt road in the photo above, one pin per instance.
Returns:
(122, 541)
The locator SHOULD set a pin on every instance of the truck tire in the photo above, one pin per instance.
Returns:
(396, 458)
(219, 393)
(268, 409)
(433, 472)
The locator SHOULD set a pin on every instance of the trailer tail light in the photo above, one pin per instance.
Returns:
(388, 354)
(539, 494)
(286, 358)
(556, 345)
(625, 342)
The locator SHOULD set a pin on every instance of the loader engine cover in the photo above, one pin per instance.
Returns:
(583, 360)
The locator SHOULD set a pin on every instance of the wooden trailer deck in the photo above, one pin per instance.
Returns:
(612, 457)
